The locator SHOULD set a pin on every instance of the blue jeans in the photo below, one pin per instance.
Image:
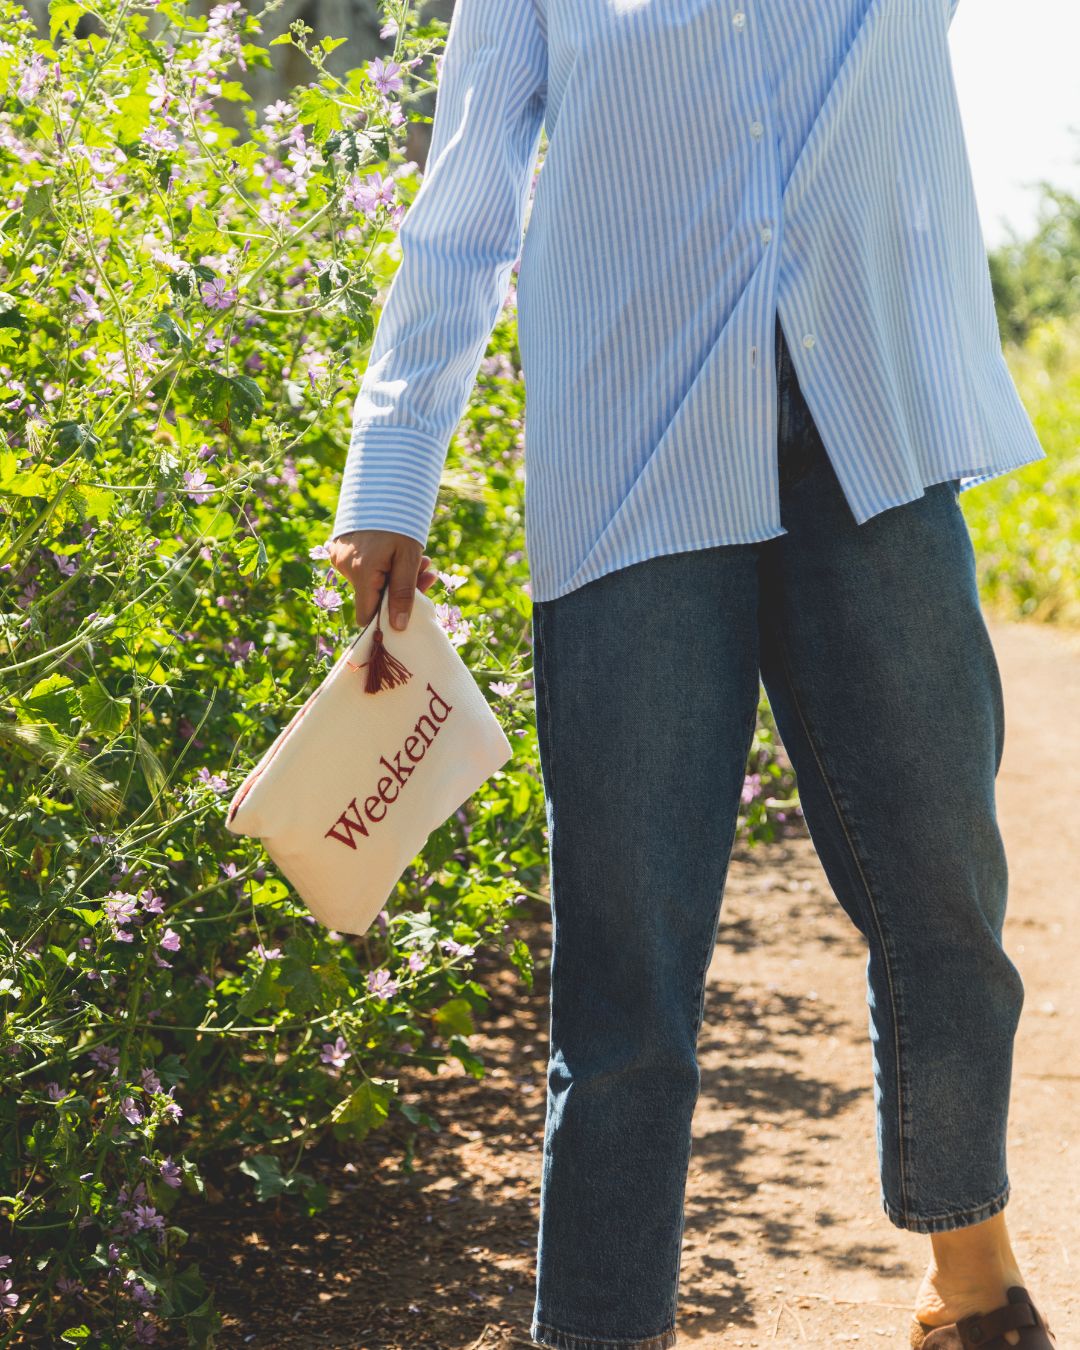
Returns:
(883, 683)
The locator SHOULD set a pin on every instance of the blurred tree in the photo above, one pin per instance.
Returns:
(1039, 277)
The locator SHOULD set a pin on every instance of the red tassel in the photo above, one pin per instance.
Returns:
(384, 671)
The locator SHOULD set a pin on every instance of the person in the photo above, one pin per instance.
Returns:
(761, 363)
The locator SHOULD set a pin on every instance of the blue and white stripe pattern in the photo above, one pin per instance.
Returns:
(710, 163)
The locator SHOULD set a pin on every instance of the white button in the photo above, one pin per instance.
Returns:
(766, 234)
(756, 130)
(739, 19)
(809, 340)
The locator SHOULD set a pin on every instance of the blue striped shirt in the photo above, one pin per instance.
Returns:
(710, 164)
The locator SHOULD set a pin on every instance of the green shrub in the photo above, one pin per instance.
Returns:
(183, 315)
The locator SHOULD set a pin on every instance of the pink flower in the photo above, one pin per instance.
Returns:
(213, 780)
(367, 194)
(170, 940)
(456, 948)
(335, 1053)
(170, 1173)
(384, 74)
(194, 480)
(327, 599)
(90, 310)
(159, 138)
(381, 984)
(150, 901)
(217, 295)
(131, 1111)
(278, 112)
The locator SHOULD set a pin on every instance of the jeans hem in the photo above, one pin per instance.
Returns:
(543, 1334)
(943, 1223)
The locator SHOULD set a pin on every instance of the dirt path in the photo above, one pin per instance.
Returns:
(786, 1243)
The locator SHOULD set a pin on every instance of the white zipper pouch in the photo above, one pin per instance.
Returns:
(383, 752)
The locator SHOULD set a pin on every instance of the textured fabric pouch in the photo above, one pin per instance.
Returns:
(381, 754)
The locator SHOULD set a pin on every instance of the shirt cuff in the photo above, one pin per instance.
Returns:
(391, 482)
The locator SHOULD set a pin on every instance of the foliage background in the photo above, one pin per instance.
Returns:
(188, 284)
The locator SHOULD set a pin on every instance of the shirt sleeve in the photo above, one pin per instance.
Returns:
(459, 241)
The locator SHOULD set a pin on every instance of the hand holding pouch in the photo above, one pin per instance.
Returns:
(381, 754)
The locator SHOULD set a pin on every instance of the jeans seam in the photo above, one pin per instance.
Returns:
(928, 1223)
(902, 1136)
(547, 701)
(572, 1339)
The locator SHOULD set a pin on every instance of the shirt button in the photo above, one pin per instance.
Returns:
(739, 19)
(766, 234)
(756, 130)
(809, 340)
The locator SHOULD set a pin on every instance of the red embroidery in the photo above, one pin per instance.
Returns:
(351, 823)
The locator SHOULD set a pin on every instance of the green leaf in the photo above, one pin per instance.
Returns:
(34, 482)
(265, 1171)
(171, 334)
(472, 1064)
(211, 522)
(265, 992)
(134, 116)
(363, 1109)
(222, 398)
(51, 698)
(299, 979)
(455, 1016)
(251, 557)
(63, 14)
(317, 107)
(36, 199)
(102, 712)
(76, 1335)
(71, 436)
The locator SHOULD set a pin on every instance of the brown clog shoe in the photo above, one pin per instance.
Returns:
(982, 1331)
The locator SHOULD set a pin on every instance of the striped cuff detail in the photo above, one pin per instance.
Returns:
(391, 482)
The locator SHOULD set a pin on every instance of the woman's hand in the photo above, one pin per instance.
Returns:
(365, 558)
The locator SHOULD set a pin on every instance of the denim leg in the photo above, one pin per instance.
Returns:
(883, 681)
(646, 690)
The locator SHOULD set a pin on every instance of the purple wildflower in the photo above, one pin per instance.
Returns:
(194, 481)
(131, 1111)
(170, 1173)
(384, 75)
(217, 295)
(381, 983)
(456, 948)
(327, 599)
(335, 1053)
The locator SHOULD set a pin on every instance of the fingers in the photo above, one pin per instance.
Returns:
(371, 560)
(404, 570)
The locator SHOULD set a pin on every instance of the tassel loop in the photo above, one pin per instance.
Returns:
(384, 671)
